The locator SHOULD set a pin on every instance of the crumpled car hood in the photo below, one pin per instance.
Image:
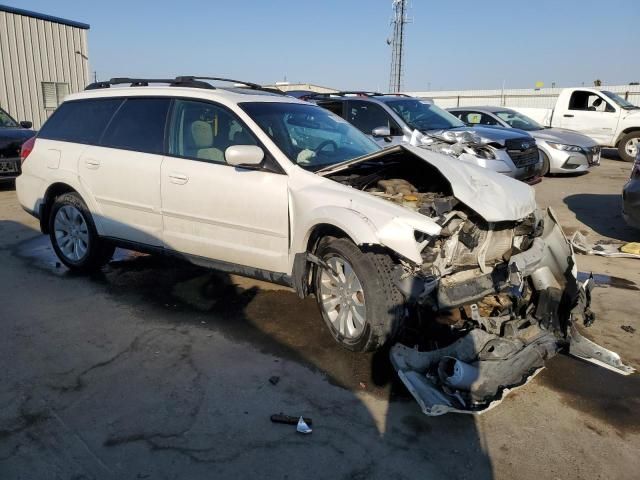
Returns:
(493, 196)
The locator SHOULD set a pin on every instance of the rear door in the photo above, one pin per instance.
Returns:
(123, 171)
(592, 114)
(214, 210)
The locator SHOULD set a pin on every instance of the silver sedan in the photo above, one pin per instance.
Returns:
(563, 151)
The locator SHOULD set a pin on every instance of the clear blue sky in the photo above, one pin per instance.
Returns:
(341, 43)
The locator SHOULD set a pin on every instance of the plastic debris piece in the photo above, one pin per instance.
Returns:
(632, 248)
(288, 419)
(628, 328)
(581, 245)
(274, 380)
(303, 427)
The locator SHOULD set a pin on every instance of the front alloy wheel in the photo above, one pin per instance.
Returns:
(358, 300)
(342, 298)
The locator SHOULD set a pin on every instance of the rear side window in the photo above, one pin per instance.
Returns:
(81, 121)
(138, 125)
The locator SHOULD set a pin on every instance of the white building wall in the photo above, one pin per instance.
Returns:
(33, 51)
(524, 97)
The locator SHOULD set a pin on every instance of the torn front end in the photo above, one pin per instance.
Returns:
(508, 295)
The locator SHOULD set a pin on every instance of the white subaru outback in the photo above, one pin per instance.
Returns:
(267, 186)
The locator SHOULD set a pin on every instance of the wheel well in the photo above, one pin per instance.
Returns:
(53, 192)
(625, 131)
(324, 230)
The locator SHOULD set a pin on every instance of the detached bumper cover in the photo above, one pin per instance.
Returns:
(476, 372)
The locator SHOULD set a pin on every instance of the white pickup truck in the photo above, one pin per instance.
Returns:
(604, 116)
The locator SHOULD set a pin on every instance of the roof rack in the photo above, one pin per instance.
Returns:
(344, 93)
(181, 81)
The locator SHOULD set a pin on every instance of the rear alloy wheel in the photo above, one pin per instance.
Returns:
(629, 146)
(74, 237)
(355, 293)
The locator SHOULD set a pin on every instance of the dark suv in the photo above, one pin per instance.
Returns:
(12, 135)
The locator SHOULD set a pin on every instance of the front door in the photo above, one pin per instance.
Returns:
(214, 210)
(591, 114)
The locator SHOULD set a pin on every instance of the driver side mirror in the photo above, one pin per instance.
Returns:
(25, 124)
(244, 155)
(381, 132)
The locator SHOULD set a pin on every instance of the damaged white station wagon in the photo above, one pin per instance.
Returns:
(389, 241)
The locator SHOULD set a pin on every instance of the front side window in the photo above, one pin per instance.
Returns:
(138, 125)
(421, 115)
(367, 116)
(589, 101)
(308, 135)
(518, 120)
(80, 121)
(203, 131)
(6, 121)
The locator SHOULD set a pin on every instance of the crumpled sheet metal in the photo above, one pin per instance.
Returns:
(581, 245)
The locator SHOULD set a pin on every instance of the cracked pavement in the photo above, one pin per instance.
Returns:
(158, 369)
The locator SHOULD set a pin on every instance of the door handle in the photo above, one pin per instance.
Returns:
(567, 115)
(92, 163)
(178, 178)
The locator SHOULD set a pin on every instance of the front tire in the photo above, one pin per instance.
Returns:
(546, 165)
(629, 145)
(357, 298)
(74, 237)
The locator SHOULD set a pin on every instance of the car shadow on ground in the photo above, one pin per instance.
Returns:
(603, 214)
(171, 417)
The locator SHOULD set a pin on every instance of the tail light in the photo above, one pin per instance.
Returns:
(26, 149)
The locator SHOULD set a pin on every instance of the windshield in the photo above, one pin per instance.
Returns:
(518, 120)
(6, 121)
(421, 115)
(308, 135)
(619, 100)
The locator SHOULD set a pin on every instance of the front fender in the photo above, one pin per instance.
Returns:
(396, 233)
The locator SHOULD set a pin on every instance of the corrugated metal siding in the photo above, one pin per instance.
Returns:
(33, 51)
(516, 97)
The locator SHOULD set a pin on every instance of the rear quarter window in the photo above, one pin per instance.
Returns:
(80, 121)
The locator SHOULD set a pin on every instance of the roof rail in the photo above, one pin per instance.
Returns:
(343, 93)
(181, 81)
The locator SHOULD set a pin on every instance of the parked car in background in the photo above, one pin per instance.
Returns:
(394, 119)
(604, 116)
(12, 135)
(563, 151)
(631, 196)
(372, 233)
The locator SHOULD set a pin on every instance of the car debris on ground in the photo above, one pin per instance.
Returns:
(581, 245)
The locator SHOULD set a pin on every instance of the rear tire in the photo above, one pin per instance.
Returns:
(628, 146)
(360, 305)
(74, 237)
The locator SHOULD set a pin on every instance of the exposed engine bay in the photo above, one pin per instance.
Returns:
(497, 298)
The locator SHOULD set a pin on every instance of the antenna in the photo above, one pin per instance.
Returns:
(398, 21)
